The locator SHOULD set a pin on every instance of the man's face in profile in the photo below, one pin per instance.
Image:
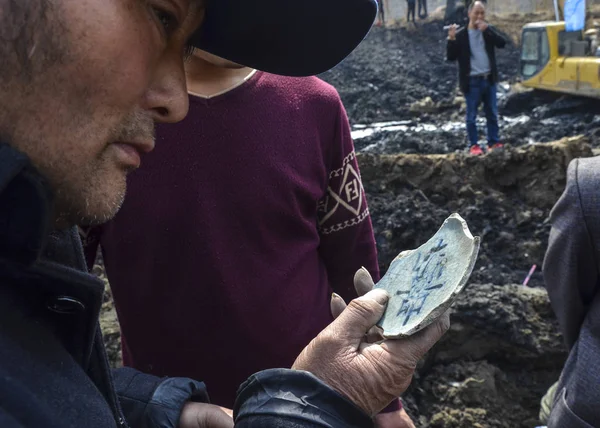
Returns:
(82, 83)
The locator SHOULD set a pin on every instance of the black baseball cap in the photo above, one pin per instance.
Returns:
(287, 37)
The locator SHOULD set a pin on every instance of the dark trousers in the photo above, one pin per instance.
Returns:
(411, 11)
(480, 89)
(423, 7)
(381, 11)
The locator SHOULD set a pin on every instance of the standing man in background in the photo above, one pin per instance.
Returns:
(410, 10)
(381, 9)
(474, 49)
(247, 216)
(422, 9)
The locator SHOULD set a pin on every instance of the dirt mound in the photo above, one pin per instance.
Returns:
(505, 197)
(490, 370)
(503, 350)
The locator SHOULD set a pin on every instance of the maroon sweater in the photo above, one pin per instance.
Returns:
(234, 233)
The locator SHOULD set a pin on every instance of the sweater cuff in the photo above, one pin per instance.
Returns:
(394, 406)
(297, 396)
(148, 401)
(164, 409)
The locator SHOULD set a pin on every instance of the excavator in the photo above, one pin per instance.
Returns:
(553, 59)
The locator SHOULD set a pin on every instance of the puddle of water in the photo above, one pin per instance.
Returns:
(410, 127)
(362, 131)
(518, 120)
(455, 126)
(550, 121)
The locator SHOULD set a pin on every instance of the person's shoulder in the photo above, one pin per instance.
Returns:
(586, 172)
(591, 162)
(583, 180)
(307, 88)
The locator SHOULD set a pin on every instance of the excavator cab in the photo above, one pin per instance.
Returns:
(557, 60)
(535, 50)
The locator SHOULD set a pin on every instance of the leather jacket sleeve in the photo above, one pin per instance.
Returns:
(294, 399)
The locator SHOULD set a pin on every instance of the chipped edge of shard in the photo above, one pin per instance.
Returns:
(443, 307)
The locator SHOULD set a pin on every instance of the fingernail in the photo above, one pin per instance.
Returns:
(379, 295)
(335, 296)
(365, 272)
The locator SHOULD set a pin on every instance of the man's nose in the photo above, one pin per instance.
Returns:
(167, 97)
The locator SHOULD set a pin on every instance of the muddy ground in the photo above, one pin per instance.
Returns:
(401, 75)
(505, 197)
(504, 349)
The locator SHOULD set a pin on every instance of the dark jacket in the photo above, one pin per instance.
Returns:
(572, 276)
(53, 367)
(460, 49)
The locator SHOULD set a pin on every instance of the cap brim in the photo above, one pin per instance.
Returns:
(287, 37)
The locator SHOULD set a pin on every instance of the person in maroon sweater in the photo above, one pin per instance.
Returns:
(247, 215)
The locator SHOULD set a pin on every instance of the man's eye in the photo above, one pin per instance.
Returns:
(167, 20)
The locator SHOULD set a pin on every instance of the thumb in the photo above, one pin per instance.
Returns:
(215, 418)
(360, 315)
(204, 415)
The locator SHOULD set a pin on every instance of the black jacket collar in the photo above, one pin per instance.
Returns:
(25, 208)
(46, 266)
(44, 271)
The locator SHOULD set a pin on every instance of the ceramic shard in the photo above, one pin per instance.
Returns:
(423, 283)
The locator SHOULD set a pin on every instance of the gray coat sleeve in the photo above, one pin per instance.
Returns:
(570, 268)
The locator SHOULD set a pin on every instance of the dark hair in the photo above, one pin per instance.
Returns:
(22, 19)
